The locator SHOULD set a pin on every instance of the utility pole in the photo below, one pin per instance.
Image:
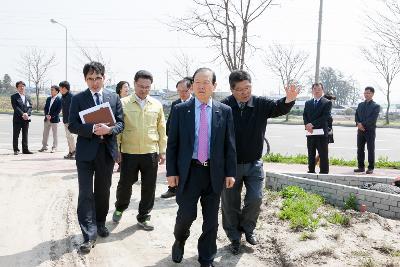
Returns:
(318, 43)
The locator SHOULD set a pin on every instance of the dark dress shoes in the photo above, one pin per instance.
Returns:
(207, 265)
(102, 231)
(177, 251)
(27, 152)
(168, 194)
(251, 239)
(235, 247)
(16, 152)
(86, 246)
(359, 170)
(369, 171)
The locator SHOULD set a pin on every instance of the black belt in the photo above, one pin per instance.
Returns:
(199, 163)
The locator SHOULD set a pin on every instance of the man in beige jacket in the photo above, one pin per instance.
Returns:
(142, 145)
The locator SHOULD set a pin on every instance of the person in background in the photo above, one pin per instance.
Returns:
(22, 106)
(367, 114)
(66, 97)
(316, 115)
(184, 89)
(330, 97)
(52, 111)
(122, 90)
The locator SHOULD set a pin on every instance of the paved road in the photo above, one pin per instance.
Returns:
(291, 140)
(284, 139)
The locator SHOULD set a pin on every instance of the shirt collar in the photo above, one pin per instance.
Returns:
(198, 103)
(183, 101)
(318, 99)
(249, 103)
(99, 92)
(138, 99)
(21, 95)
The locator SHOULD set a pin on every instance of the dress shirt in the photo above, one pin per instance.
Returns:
(23, 98)
(141, 102)
(100, 93)
(197, 111)
(51, 102)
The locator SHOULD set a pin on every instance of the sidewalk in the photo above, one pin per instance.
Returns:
(281, 167)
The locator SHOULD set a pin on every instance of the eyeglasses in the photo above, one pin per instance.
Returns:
(242, 90)
(97, 79)
(143, 87)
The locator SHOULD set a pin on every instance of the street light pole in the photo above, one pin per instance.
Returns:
(318, 43)
(66, 46)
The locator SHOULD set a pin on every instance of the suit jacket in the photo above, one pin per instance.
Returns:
(87, 142)
(181, 144)
(54, 111)
(178, 101)
(367, 114)
(318, 116)
(20, 107)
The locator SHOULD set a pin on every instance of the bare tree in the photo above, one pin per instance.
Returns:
(386, 25)
(181, 66)
(88, 54)
(225, 24)
(287, 64)
(387, 63)
(35, 65)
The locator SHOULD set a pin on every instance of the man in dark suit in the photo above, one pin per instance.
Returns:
(66, 103)
(201, 160)
(250, 115)
(96, 152)
(22, 106)
(317, 112)
(184, 89)
(366, 116)
(52, 111)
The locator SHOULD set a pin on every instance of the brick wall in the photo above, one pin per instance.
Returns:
(336, 189)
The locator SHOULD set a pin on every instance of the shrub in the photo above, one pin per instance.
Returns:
(351, 203)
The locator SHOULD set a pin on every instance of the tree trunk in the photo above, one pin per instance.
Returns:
(37, 96)
(388, 103)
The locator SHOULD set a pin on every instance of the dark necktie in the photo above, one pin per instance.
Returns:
(97, 98)
(315, 103)
(242, 105)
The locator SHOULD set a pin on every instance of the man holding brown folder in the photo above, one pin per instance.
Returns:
(96, 152)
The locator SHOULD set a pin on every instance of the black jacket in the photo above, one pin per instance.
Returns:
(251, 122)
(181, 144)
(54, 111)
(318, 116)
(66, 103)
(87, 142)
(178, 101)
(20, 107)
(367, 114)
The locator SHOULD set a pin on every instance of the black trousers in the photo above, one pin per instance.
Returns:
(17, 127)
(369, 138)
(93, 202)
(198, 186)
(320, 143)
(131, 164)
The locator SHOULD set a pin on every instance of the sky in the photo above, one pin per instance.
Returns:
(133, 35)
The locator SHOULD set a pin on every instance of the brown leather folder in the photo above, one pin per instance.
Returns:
(102, 115)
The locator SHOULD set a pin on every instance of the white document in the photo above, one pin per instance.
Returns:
(96, 108)
(315, 132)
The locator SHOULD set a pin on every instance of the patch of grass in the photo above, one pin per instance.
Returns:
(382, 162)
(307, 236)
(271, 195)
(299, 208)
(338, 218)
(351, 202)
(388, 250)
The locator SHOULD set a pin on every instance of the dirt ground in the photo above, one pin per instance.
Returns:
(38, 196)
